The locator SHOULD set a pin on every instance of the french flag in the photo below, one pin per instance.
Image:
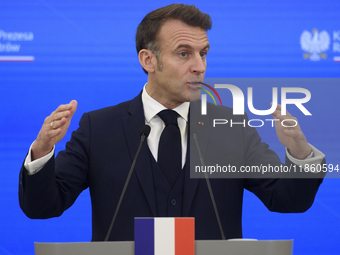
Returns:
(164, 236)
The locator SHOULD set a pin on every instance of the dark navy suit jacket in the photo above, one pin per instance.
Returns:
(100, 154)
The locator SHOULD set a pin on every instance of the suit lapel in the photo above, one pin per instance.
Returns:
(132, 126)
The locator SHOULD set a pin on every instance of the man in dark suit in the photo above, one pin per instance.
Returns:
(172, 45)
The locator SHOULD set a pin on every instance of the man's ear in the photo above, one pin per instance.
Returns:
(148, 60)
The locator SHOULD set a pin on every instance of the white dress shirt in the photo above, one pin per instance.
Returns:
(151, 109)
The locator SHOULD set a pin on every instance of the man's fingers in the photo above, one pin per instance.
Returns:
(53, 129)
(63, 111)
(290, 122)
(60, 115)
(73, 105)
(278, 107)
(288, 119)
(292, 133)
(54, 132)
(277, 112)
(63, 107)
(57, 123)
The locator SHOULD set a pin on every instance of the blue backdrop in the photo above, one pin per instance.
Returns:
(54, 51)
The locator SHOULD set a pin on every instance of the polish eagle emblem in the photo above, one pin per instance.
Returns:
(315, 43)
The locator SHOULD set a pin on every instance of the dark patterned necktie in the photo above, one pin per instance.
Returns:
(169, 148)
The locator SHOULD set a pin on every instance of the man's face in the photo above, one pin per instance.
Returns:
(183, 51)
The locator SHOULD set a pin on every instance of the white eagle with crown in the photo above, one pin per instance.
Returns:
(315, 43)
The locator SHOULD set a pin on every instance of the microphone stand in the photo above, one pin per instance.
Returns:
(209, 187)
(144, 134)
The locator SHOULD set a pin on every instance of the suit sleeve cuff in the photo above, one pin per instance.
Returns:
(35, 166)
(315, 158)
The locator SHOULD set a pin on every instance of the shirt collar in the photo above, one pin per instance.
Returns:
(152, 107)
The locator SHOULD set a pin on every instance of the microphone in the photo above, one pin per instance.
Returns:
(194, 134)
(144, 133)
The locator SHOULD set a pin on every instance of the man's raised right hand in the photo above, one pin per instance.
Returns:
(53, 130)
